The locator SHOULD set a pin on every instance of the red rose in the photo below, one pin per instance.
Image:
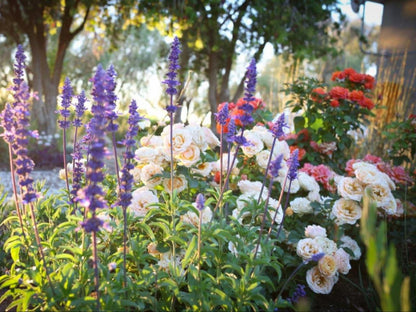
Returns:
(338, 75)
(338, 93)
(318, 94)
(357, 77)
(356, 96)
(334, 103)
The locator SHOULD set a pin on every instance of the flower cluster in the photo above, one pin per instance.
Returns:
(322, 277)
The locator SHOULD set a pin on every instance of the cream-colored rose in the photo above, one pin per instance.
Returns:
(262, 158)
(301, 205)
(179, 184)
(225, 163)
(381, 193)
(198, 136)
(145, 154)
(254, 146)
(327, 245)
(281, 147)
(152, 249)
(135, 172)
(350, 188)
(151, 141)
(148, 173)
(348, 242)
(294, 184)
(250, 187)
(342, 260)
(390, 206)
(320, 283)
(314, 196)
(314, 230)
(192, 218)
(327, 265)
(203, 169)
(210, 138)
(368, 173)
(141, 199)
(181, 139)
(167, 259)
(346, 211)
(307, 247)
(265, 135)
(190, 156)
(307, 182)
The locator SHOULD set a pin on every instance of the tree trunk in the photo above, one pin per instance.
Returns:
(212, 89)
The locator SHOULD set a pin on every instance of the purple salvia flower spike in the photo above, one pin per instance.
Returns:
(172, 82)
(79, 109)
(222, 115)
(316, 257)
(66, 103)
(278, 125)
(293, 165)
(275, 166)
(231, 131)
(250, 88)
(200, 201)
(110, 87)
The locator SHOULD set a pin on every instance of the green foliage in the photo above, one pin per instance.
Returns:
(393, 290)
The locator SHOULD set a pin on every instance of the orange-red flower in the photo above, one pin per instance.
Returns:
(334, 103)
(338, 93)
(338, 75)
(369, 82)
(356, 77)
(367, 103)
(356, 96)
(318, 94)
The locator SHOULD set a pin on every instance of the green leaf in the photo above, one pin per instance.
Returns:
(190, 252)
(299, 123)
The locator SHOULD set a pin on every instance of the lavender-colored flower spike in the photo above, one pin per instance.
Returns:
(19, 67)
(231, 131)
(316, 257)
(172, 82)
(250, 89)
(80, 109)
(200, 202)
(222, 115)
(129, 142)
(66, 103)
(7, 123)
(293, 165)
(278, 125)
(275, 166)
(110, 86)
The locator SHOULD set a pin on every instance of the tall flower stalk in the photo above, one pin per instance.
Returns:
(221, 118)
(65, 123)
(91, 197)
(277, 131)
(245, 119)
(172, 83)
(126, 176)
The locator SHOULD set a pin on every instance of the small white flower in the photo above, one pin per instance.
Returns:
(314, 230)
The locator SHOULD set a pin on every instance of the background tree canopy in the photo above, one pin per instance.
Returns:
(213, 33)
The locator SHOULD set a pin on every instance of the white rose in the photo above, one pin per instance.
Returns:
(225, 161)
(314, 196)
(327, 265)
(145, 154)
(192, 218)
(264, 134)
(342, 260)
(367, 173)
(307, 182)
(294, 184)
(327, 245)
(203, 169)
(320, 283)
(210, 138)
(314, 230)
(141, 199)
(250, 187)
(273, 205)
(350, 188)
(198, 136)
(262, 158)
(148, 172)
(346, 211)
(381, 193)
(301, 205)
(151, 141)
(190, 156)
(181, 139)
(307, 247)
(390, 206)
(281, 147)
(179, 184)
(255, 144)
(348, 242)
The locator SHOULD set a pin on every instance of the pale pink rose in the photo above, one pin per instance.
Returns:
(342, 260)
(372, 159)
(348, 167)
(314, 230)
(320, 283)
(346, 211)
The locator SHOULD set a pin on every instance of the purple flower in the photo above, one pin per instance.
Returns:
(172, 82)
(278, 125)
(19, 67)
(92, 225)
(275, 166)
(316, 257)
(8, 124)
(78, 171)
(200, 201)
(129, 142)
(110, 105)
(246, 118)
(80, 109)
(222, 115)
(298, 293)
(250, 86)
(293, 165)
(231, 131)
(66, 103)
